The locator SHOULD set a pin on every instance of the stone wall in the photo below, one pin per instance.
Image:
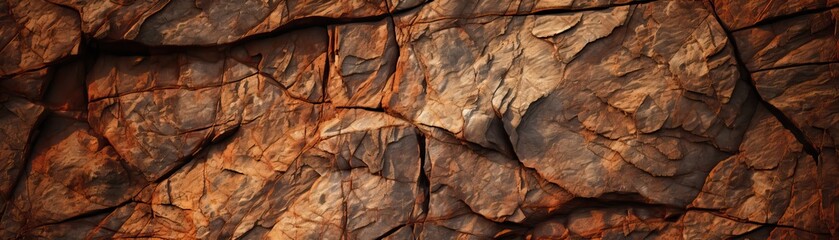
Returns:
(413, 119)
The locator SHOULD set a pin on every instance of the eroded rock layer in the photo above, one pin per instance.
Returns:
(413, 119)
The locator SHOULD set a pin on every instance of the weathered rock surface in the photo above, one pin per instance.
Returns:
(177, 22)
(34, 34)
(579, 98)
(19, 126)
(412, 119)
(741, 14)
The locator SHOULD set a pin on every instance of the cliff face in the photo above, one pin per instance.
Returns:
(406, 119)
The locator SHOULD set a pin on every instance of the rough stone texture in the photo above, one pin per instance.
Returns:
(740, 14)
(34, 33)
(793, 64)
(412, 119)
(178, 22)
(19, 126)
(72, 172)
(627, 110)
(364, 57)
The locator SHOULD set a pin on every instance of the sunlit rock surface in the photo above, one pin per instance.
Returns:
(413, 119)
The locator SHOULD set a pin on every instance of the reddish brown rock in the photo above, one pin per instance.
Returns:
(185, 100)
(165, 117)
(35, 33)
(605, 223)
(413, 119)
(113, 20)
(494, 186)
(768, 183)
(738, 14)
(793, 65)
(364, 57)
(453, 9)
(755, 184)
(29, 85)
(806, 39)
(576, 96)
(19, 125)
(72, 172)
(166, 22)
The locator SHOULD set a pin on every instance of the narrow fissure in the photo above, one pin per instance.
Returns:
(796, 65)
(390, 232)
(423, 181)
(775, 19)
(204, 146)
(372, 109)
(585, 9)
(746, 76)
(93, 213)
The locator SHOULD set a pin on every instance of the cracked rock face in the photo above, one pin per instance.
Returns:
(413, 119)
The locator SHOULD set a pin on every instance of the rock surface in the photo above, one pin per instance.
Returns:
(412, 119)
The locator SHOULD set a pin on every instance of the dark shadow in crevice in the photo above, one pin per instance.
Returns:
(133, 48)
(746, 76)
(615, 200)
(775, 19)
